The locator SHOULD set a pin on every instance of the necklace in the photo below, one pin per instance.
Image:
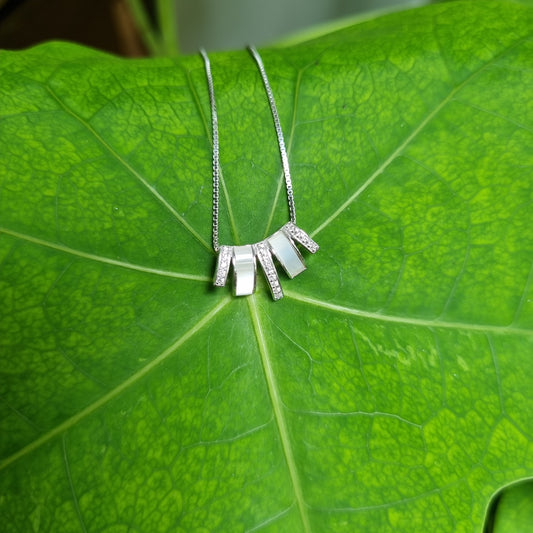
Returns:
(282, 243)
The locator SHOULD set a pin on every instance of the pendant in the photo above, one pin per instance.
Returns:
(281, 245)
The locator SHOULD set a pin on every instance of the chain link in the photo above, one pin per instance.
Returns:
(216, 147)
(216, 159)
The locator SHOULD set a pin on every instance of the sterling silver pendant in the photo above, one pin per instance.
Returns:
(281, 244)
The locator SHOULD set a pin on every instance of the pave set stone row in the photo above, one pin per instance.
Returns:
(280, 244)
(225, 256)
(299, 235)
(262, 252)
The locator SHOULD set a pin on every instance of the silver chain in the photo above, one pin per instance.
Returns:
(216, 147)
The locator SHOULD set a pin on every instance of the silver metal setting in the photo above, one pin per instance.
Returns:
(282, 243)
(300, 236)
(225, 256)
(262, 251)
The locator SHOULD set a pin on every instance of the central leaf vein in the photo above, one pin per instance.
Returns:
(279, 415)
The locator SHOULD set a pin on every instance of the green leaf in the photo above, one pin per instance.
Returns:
(513, 511)
(388, 391)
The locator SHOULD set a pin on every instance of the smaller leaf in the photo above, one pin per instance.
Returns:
(513, 510)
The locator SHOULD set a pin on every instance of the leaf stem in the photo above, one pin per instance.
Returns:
(168, 26)
(148, 34)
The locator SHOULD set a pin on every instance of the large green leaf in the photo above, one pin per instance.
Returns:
(388, 391)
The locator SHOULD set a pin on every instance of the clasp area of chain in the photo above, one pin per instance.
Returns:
(281, 245)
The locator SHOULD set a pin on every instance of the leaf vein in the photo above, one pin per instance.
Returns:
(386, 505)
(407, 141)
(209, 135)
(102, 259)
(71, 485)
(370, 414)
(278, 413)
(409, 321)
(281, 179)
(106, 398)
(129, 168)
(271, 520)
(229, 440)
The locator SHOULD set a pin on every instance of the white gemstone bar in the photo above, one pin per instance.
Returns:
(244, 270)
(300, 236)
(225, 254)
(262, 251)
(286, 253)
